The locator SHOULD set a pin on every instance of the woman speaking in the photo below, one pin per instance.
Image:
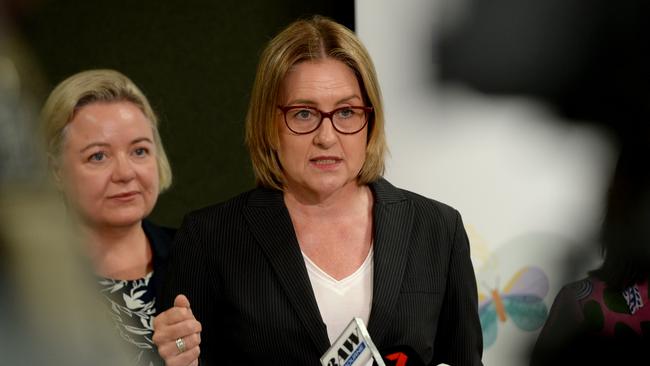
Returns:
(275, 274)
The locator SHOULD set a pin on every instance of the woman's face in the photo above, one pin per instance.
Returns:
(324, 161)
(108, 168)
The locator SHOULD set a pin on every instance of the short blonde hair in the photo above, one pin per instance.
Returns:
(309, 39)
(92, 86)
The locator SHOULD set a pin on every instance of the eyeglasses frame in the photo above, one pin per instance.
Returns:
(324, 115)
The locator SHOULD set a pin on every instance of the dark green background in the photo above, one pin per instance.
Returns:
(195, 61)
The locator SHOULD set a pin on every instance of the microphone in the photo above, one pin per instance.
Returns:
(353, 347)
(401, 355)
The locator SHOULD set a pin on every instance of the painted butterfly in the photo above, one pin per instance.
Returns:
(520, 300)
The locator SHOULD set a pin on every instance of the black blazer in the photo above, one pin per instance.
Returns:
(240, 265)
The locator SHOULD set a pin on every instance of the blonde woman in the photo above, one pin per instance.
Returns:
(107, 158)
(275, 274)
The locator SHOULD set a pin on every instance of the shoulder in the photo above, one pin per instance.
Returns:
(422, 217)
(387, 194)
(232, 209)
(567, 304)
(153, 229)
(582, 289)
(160, 237)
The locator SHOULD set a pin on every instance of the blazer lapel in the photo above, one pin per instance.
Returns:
(393, 219)
(271, 225)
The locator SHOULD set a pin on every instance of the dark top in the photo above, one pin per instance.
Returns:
(132, 303)
(241, 267)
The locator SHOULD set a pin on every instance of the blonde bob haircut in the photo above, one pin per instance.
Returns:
(306, 40)
(88, 87)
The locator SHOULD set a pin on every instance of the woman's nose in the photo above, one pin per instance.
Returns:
(123, 169)
(325, 134)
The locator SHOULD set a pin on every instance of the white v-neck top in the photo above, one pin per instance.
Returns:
(340, 301)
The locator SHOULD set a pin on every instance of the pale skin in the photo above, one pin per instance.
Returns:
(109, 176)
(178, 322)
(331, 213)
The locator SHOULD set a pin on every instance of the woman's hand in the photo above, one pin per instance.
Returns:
(177, 334)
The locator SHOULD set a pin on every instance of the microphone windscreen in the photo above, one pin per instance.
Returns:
(401, 355)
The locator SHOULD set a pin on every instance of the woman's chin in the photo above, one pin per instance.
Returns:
(118, 221)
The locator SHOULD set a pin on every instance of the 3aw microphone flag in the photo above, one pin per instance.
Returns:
(353, 347)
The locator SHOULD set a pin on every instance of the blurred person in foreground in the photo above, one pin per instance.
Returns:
(107, 158)
(605, 318)
(275, 274)
(48, 310)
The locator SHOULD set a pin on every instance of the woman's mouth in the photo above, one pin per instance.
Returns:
(325, 162)
(124, 196)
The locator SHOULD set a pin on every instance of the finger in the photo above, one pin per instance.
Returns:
(170, 349)
(169, 333)
(189, 357)
(172, 316)
(182, 301)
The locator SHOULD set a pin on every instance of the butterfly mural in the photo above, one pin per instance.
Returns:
(520, 300)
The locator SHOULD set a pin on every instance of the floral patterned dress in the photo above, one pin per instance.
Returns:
(132, 305)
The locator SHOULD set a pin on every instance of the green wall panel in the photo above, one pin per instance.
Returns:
(195, 60)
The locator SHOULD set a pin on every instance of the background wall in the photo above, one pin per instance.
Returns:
(195, 60)
(529, 184)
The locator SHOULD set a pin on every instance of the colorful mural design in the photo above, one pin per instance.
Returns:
(520, 300)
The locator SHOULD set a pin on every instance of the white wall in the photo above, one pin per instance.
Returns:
(529, 185)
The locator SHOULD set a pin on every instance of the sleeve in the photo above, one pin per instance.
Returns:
(183, 260)
(459, 340)
(189, 274)
(557, 339)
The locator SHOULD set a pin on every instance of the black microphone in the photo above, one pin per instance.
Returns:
(401, 355)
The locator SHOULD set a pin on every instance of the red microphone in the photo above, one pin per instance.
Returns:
(401, 355)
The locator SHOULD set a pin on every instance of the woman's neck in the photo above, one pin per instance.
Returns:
(120, 253)
(352, 197)
(335, 234)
